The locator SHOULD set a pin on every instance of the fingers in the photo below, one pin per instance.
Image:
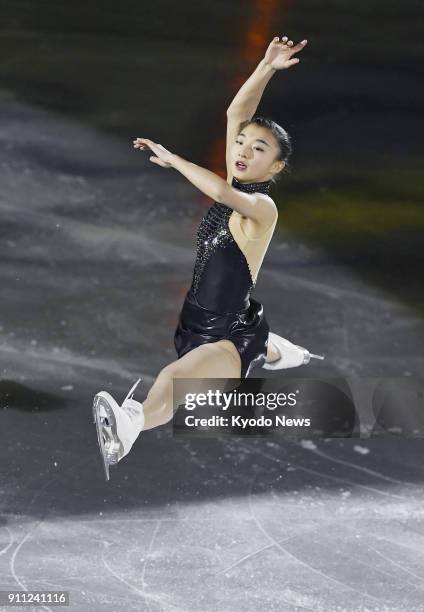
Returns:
(158, 161)
(293, 61)
(299, 46)
(157, 149)
(142, 143)
(138, 144)
(284, 41)
(289, 43)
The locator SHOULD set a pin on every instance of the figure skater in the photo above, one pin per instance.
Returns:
(222, 332)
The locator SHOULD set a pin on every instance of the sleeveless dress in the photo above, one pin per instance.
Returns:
(218, 304)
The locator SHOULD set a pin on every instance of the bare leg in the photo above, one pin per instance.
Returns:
(273, 353)
(213, 360)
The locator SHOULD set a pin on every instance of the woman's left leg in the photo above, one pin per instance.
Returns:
(212, 360)
(118, 427)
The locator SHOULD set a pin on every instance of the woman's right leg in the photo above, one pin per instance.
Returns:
(273, 354)
(212, 360)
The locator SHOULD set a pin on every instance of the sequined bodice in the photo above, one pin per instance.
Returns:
(222, 281)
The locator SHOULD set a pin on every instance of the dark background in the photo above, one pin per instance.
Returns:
(167, 71)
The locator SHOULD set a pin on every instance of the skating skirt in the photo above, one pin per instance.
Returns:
(248, 329)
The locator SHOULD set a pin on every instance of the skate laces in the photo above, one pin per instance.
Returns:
(131, 391)
(131, 407)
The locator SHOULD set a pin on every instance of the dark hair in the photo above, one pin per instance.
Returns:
(283, 138)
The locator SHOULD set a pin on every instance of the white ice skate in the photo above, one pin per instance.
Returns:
(117, 426)
(292, 355)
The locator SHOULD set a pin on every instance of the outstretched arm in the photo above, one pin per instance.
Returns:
(278, 56)
(255, 206)
(208, 182)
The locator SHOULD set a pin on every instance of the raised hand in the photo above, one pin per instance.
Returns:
(278, 55)
(162, 156)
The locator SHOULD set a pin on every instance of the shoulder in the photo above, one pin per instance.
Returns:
(268, 206)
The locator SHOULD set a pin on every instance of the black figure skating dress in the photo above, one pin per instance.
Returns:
(218, 304)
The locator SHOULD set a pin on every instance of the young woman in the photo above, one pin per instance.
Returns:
(222, 332)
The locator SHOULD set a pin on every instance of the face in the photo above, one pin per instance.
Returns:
(256, 149)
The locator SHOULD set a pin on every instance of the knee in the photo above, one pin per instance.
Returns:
(170, 371)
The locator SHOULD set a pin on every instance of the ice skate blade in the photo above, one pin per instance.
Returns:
(109, 443)
(307, 355)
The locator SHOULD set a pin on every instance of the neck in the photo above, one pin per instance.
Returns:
(255, 186)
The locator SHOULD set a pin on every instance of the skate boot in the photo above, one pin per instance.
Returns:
(292, 355)
(117, 426)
